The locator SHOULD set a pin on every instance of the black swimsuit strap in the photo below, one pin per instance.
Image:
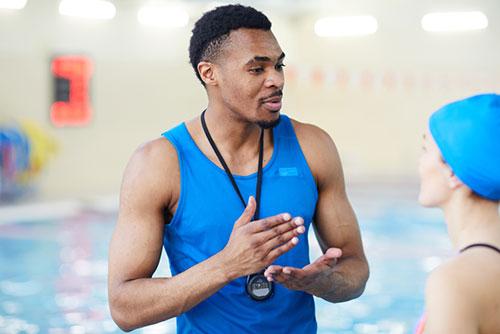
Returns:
(481, 245)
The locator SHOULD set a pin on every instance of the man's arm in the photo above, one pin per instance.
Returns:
(341, 273)
(150, 184)
(135, 298)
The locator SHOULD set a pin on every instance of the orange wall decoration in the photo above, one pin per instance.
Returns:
(71, 105)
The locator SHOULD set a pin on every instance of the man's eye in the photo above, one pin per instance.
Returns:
(257, 70)
(279, 67)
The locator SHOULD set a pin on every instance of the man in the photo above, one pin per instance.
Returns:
(237, 266)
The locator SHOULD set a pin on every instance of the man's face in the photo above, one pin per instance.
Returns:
(250, 76)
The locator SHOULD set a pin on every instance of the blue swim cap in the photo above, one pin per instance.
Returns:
(468, 134)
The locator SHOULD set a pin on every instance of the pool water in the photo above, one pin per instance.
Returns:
(53, 273)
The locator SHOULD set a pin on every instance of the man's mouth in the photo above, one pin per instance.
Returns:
(273, 103)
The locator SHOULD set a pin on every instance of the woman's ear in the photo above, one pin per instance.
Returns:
(453, 181)
(207, 73)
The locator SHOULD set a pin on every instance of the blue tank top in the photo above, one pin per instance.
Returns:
(201, 226)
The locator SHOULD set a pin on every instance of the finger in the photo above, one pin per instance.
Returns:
(270, 222)
(333, 252)
(248, 213)
(284, 227)
(330, 257)
(280, 239)
(285, 231)
(286, 277)
(270, 272)
(272, 269)
(317, 267)
(276, 275)
(294, 273)
(313, 269)
(280, 278)
(273, 254)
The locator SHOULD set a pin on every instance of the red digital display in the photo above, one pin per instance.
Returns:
(71, 105)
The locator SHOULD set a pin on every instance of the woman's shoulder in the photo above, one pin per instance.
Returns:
(448, 300)
(459, 292)
(465, 274)
(450, 279)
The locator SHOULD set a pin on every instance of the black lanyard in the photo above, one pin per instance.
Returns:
(481, 245)
(228, 172)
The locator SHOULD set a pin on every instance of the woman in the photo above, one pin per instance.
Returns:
(460, 173)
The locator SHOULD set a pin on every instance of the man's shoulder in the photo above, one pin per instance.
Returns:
(158, 152)
(310, 133)
(154, 164)
(320, 152)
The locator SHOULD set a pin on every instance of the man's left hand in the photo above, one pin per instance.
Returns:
(305, 279)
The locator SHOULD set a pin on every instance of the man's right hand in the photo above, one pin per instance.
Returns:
(254, 245)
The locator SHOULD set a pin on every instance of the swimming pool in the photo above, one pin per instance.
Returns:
(53, 273)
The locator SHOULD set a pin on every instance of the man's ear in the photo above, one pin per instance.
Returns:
(207, 73)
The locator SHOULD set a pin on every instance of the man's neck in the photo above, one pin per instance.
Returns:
(232, 135)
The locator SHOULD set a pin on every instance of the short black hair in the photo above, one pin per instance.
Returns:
(212, 30)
